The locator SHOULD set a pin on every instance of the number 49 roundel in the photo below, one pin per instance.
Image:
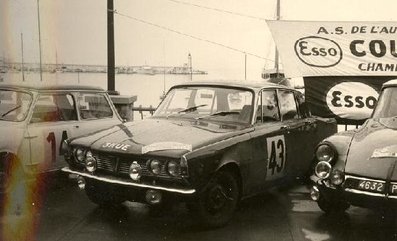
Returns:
(276, 157)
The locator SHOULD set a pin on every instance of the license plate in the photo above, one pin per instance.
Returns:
(371, 186)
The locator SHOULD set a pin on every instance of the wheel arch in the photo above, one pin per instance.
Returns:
(233, 167)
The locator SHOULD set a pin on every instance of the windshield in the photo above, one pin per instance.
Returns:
(210, 103)
(14, 105)
(387, 103)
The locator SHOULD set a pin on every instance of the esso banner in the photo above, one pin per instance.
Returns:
(349, 99)
(310, 48)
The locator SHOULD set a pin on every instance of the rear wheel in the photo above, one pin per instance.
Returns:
(218, 202)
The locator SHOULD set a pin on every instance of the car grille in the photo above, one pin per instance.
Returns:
(121, 165)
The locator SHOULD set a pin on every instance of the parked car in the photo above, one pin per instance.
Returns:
(207, 144)
(358, 167)
(34, 121)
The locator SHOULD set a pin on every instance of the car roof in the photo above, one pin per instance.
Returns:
(390, 83)
(254, 85)
(47, 87)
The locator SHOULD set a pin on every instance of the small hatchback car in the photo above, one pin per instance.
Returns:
(358, 167)
(35, 120)
(208, 144)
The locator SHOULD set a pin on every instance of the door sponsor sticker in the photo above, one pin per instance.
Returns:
(276, 157)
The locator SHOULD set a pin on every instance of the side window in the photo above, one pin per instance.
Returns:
(54, 107)
(304, 110)
(268, 107)
(287, 103)
(94, 106)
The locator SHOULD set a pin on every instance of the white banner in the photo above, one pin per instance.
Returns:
(336, 48)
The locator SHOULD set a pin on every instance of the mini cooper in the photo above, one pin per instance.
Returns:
(207, 144)
(34, 121)
(358, 167)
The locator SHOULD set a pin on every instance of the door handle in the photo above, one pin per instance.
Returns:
(30, 137)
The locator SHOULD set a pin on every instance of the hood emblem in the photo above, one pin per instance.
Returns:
(116, 146)
(159, 146)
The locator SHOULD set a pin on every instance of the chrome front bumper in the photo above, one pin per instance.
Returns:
(119, 181)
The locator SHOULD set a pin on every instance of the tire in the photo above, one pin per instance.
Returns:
(217, 203)
(101, 197)
(332, 206)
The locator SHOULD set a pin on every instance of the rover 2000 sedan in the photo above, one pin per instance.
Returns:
(358, 167)
(207, 144)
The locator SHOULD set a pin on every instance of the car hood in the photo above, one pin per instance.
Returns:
(159, 137)
(372, 149)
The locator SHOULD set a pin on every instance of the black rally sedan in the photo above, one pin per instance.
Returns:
(208, 144)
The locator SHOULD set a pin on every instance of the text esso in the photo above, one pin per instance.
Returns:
(318, 52)
(352, 100)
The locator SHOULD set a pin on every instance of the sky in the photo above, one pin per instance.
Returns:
(215, 33)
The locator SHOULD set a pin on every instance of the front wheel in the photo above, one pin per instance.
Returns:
(101, 197)
(218, 202)
(332, 206)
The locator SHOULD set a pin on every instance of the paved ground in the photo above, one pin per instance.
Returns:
(66, 214)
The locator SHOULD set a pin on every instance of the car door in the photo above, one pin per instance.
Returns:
(53, 120)
(270, 145)
(95, 112)
(300, 135)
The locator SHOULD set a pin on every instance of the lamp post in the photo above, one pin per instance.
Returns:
(190, 66)
(38, 17)
(111, 61)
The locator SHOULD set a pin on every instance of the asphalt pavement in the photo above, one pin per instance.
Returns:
(66, 214)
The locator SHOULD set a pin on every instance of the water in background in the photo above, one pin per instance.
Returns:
(147, 88)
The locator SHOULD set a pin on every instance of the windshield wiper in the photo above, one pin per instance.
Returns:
(221, 113)
(187, 110)
(190, 109)
(11, 110)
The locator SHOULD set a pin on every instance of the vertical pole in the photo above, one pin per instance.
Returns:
(276, 63)
(111, 62)
(163, 70)
(191, 67)
(38, 17)
(22, 66)
(245, 66)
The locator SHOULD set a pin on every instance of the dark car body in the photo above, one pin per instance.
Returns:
(361, 167)
(225, 142)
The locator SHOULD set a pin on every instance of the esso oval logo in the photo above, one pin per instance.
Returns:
(352, 100)
(318, 51)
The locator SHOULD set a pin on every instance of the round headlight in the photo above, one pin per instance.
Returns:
(173, 168)
(323, 169)
(155, 166)
(337, 177)
(90, 162)
(325, 153)
(79, 154)
(135, 171)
